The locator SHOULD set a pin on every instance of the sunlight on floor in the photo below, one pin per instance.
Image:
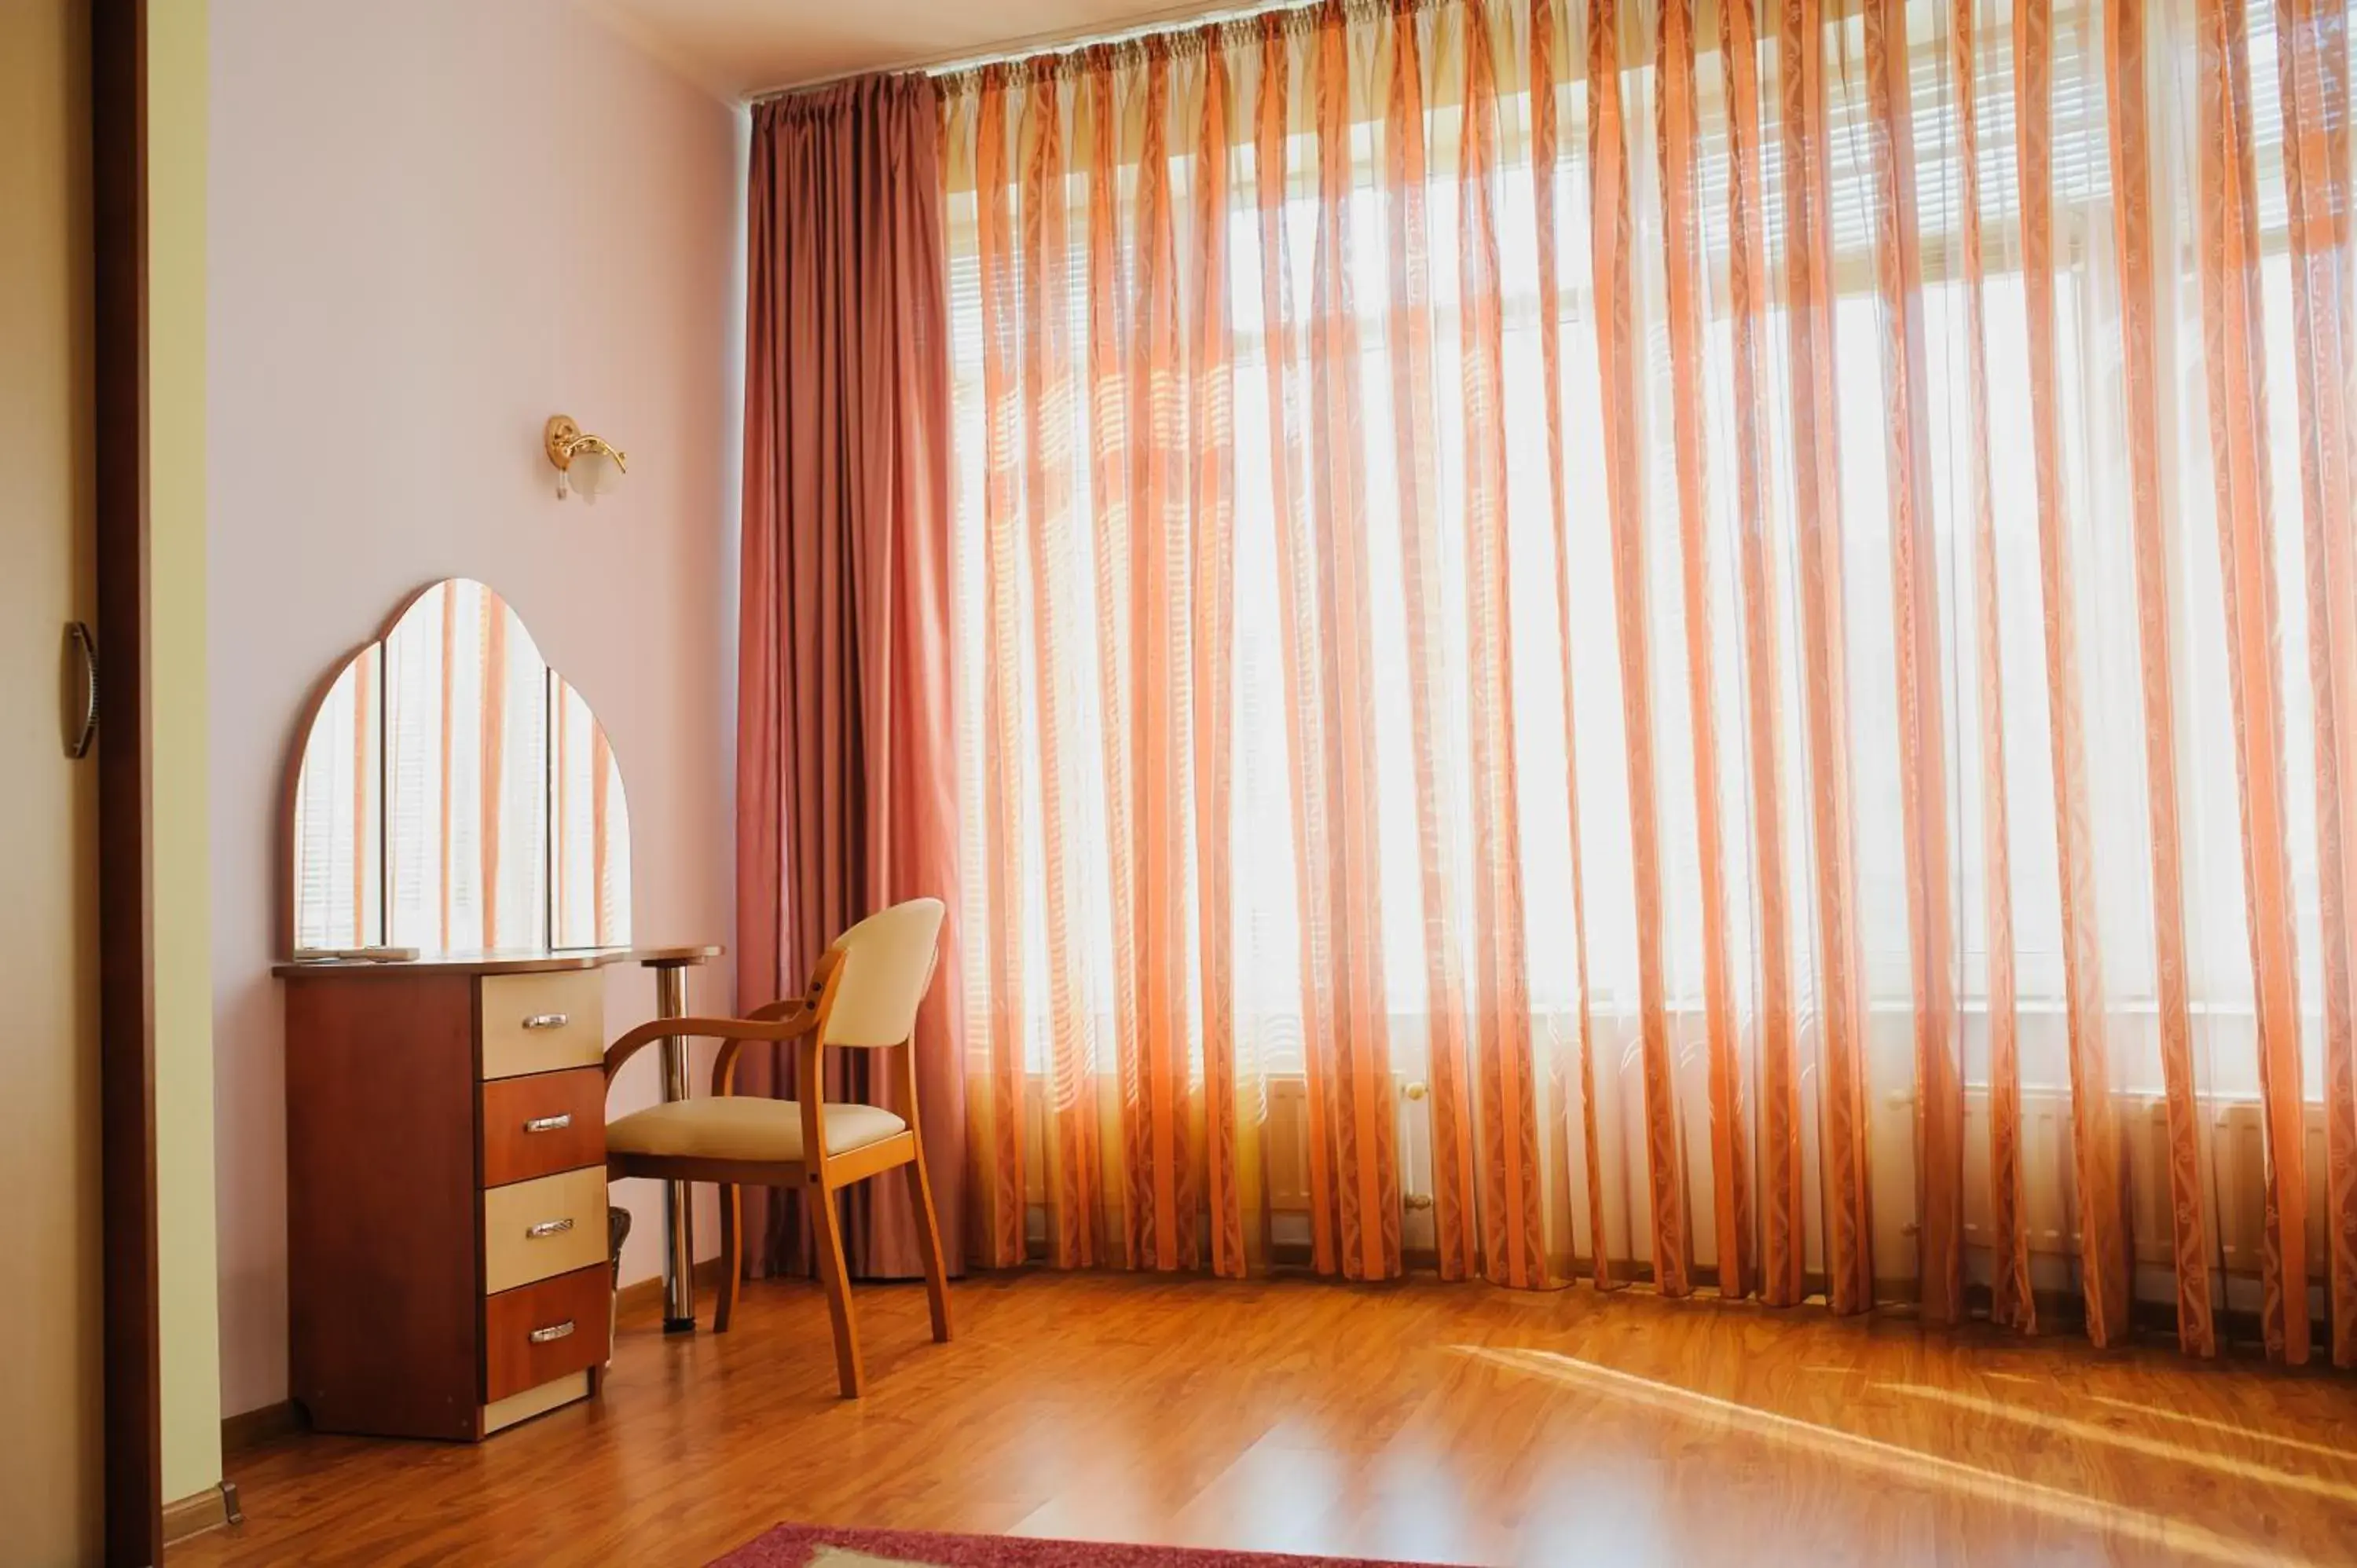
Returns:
(2088, 1432)
(2344, 1453)
(1888, 1458)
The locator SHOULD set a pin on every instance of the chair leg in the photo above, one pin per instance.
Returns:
(929, 1240)
(827, 1226)
(732, 1255)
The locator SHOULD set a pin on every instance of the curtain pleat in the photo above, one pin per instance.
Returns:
(1544, 173)
(1108, 435)
(1302, 711)
(2313, 66)
(2232, 328)
(1230, 1097)
(1749, 291)
(2132, 236)
(1162, 1112)
(1817, 518)
(2094, 1128)
(1415, 430)
(2011, 1301)
(998, 1145)
(1356, 1087)
(1915, 620)
(1677, 131)
(1647, 638)
(1069, 1144)
(1513, 1237)
(1611, 235)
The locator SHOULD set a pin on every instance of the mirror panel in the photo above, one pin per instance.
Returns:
(455, 795)
(339, 813)
(467, 771)
(590, 831)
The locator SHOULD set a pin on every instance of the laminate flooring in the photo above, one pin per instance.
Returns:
(1446, 1423)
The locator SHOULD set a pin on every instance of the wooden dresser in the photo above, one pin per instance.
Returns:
(446, 1190)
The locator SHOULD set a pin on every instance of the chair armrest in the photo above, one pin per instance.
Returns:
(782, 1009)
(730, 1030)
(791, 1017)
(799, 1016)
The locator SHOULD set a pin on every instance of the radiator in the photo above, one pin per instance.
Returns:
(2231, 1130)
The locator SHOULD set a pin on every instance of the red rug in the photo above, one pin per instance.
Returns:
(811, 1546)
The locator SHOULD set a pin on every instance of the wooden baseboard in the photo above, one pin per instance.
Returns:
(250, 1428)
(646, 1294)
(208, 1509)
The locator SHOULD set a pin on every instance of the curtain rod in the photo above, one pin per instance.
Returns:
(1173, 19)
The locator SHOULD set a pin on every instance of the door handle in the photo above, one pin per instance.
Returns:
(77, 687)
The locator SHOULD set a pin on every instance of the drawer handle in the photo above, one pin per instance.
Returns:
(553, 1333)
(546, 1020)
(556, 1123)
(547, 1228)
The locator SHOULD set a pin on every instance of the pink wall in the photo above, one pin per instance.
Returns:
(433, 224)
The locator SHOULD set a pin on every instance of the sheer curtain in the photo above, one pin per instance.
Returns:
(1720, 637)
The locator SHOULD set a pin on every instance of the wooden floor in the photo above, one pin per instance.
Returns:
(1443, 1422)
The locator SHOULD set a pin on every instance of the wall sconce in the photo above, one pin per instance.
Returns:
(587, 466)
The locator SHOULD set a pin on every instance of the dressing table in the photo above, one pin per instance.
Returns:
(456, 856)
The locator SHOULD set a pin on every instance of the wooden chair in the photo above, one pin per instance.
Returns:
(863, 995)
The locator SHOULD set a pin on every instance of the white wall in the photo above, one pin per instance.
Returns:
(188, 1328)
(432, 225)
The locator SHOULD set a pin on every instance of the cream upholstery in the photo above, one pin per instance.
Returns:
(888, 964)
(751, 1128)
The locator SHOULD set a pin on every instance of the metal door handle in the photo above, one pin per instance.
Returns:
(547, 1228)
(546, 1020)
(549, 1124)
(553, 1332)
(78, 690)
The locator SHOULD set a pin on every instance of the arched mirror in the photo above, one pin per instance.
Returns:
(455, 795)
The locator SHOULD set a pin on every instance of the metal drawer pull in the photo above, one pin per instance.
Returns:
(546, 1020)
(549, 1228)
(556, 1123)
(553, 1332)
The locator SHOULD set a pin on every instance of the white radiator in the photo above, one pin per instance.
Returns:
(2231, 1130)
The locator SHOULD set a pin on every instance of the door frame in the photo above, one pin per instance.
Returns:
(133, 1420)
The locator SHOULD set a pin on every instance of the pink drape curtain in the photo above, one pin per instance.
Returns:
(846, 771)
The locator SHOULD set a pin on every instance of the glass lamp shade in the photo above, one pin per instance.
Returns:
(593, 472)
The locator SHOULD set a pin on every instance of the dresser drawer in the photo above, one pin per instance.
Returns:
(542, 1124)
(501, 1414)
(543, 1023)
(538, 1332)
(535, 1228)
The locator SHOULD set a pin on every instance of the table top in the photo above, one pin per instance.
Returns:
(671, 957)
(511, 961)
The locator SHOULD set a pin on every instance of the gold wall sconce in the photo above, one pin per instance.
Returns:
(586, 465)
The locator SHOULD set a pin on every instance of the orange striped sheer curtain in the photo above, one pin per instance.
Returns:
(1683, 641)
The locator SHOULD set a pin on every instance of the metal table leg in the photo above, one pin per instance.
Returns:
(679, 1212)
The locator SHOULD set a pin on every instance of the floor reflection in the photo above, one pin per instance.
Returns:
(1890, 1459)
(2154, 1447)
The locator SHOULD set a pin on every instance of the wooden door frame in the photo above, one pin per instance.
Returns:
(126, 1004)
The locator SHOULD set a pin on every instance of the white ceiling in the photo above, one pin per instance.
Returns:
(736, 47)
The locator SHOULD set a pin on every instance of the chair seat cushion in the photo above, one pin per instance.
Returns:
(744, 1127)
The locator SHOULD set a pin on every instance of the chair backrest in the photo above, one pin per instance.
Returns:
(888, 964)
